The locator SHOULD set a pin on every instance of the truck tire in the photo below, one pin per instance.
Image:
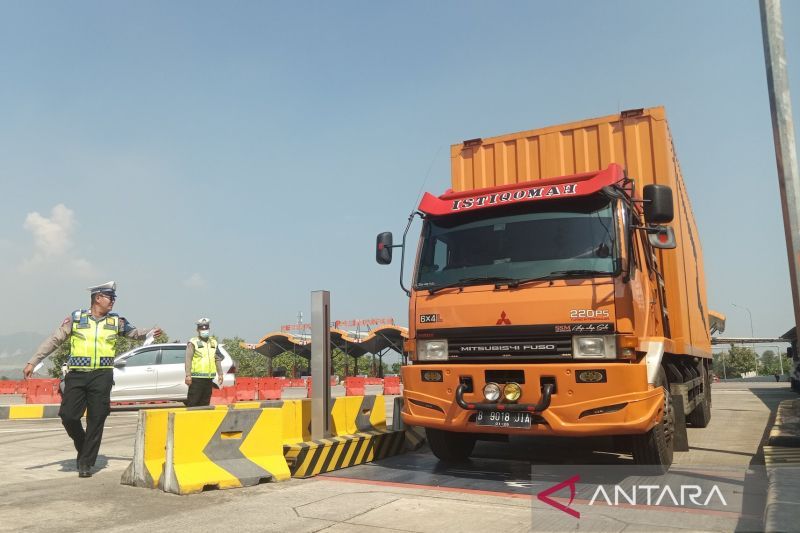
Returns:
(701, 414)
(655, 448)
(450, 447)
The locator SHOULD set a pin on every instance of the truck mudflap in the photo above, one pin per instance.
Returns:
(544, 402)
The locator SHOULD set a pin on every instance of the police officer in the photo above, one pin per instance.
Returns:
(92, 335)
(203, 364)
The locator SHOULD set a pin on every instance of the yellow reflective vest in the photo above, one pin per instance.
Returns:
(204, 361)
(93, 343)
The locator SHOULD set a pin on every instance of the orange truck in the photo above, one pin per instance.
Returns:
(558, 289)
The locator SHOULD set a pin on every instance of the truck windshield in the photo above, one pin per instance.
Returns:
(558, 239)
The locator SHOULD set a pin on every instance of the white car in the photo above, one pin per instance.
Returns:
(157, 372)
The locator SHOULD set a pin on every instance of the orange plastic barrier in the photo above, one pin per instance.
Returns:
(224, 395)
(391, 386)
(8, 386)
(270, 388)
(43, 391)
(374, 381)
(246, 389)
(354, 386)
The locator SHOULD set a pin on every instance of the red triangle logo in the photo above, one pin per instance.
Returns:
(544, 496)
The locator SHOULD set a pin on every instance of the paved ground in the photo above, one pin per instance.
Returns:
(40, 490)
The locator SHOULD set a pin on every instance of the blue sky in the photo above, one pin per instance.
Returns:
(225, 159)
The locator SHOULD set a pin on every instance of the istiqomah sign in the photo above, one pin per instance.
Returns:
(576, 185)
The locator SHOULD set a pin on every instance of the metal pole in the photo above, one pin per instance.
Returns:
(780, 105)
(724, 372)
(320, 365)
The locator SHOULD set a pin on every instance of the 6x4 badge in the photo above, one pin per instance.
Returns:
(430, 319)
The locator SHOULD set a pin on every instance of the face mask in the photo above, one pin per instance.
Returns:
(204, 334)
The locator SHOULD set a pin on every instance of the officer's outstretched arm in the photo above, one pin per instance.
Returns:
(48, 346)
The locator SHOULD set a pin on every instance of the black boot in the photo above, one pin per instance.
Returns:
(84, 471)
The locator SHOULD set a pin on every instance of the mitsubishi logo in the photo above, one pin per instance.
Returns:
(503, 319)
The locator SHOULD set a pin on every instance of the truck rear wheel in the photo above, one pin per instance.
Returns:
(655, 448)
(701, 415)
(450, 447)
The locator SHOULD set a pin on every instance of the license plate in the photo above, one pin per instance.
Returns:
(504, 419)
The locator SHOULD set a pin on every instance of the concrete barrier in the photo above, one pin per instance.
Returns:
(149, 446)
(415, 436)
(21, 412)
(786, 430)
(782, 460)
(311, 458)
(223, 449)
(355, 414)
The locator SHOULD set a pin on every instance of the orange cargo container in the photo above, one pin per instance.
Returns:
(559, 290)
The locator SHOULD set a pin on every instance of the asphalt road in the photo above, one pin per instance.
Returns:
(40, 490)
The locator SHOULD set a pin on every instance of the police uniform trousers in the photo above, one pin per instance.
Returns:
(199, 392)
(88, 391)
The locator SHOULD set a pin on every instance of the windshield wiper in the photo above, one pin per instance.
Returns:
(475, 281)
(575, 273)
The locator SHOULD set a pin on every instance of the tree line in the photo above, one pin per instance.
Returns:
(741, 360)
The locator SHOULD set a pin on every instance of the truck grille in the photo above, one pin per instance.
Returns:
(511, 347)
(513, 343)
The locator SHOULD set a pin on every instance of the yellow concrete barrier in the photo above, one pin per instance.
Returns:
(150, 444)
(223, 449)
(21, 412)
(354, 414)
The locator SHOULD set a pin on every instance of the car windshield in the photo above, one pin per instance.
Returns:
(559, 239)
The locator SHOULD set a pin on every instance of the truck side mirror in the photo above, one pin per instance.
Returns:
(383, 248)
(658, 204)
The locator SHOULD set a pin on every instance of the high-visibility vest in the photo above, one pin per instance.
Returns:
(204, 363)
(93, 343)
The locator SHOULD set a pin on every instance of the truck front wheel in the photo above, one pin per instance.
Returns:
(450, 447)
(655, 448)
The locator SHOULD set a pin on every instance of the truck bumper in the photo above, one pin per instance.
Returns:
(623, 404)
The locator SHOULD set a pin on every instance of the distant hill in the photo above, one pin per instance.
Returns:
(15, 350)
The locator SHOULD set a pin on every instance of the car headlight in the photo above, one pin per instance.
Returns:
(595, 347)
(432, 350)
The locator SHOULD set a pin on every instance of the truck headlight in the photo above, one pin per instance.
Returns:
(594, 347)
(432, 350)
(491, 391)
